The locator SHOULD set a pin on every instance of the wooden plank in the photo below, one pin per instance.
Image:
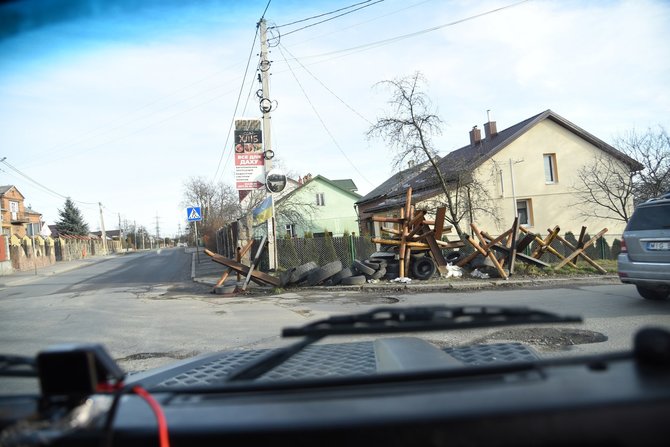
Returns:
(512, 245)
(408, 203)
(255, 261)
(454, 244)
(397, 242)
(579, 251)
(490, 254)
(525, 242)
(397, 220)
(435, 250)
(438, 226)
(243, 269)
(240, 253)
(522, 257)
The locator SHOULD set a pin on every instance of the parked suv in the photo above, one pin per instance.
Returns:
(645, 249)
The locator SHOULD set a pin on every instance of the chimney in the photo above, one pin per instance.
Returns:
(490, 129)
(475, 136)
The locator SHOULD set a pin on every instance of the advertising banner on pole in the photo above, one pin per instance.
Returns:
(249, 162)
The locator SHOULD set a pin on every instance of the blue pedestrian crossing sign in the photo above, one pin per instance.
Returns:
(194, 214)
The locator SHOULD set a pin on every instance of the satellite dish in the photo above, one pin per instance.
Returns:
(275, 181)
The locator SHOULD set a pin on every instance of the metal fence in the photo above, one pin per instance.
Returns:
(321, 250)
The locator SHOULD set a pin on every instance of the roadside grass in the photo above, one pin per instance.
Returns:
(583, 268)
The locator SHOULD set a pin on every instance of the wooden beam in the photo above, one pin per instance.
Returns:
(579, 251)
(240, 254)
(512, 245)
(397, 220)
(238, 267)
(438, 226)
(490, 254)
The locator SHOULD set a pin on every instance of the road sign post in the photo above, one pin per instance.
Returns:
(193, 214)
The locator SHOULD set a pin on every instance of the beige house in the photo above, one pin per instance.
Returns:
(529, 169)
(14, 215)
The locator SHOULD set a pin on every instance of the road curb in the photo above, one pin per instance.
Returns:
(456, 285)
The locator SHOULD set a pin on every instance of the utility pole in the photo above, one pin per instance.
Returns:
(135, 235)
(102, 229)
(158, 233)
(266, 107)
(120, 232)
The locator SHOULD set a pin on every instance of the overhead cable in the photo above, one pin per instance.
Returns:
(322, 15)
(316, 112)
(326, 87)
(331, 18)
(382, 42)
(45, 188)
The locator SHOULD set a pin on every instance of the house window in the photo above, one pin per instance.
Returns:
(290, 230)
(320, 199)
(524, 210)
(14, 210)
(550, 173)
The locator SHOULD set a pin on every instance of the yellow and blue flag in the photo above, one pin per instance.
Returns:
(264, 211)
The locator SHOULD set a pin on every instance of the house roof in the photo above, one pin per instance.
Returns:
(336, 184)
(347, 184)
(425, 184)
(394, 182)
(5, 188)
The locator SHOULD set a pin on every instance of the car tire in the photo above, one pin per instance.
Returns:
(652, 294)
(326, 272)
(424, 268)
(453, 257)
(363, 268)
(301, 272)
(344, 273)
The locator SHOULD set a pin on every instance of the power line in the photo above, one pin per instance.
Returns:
(382, 42)
(237, 103)
(331, 18)
(27, 177)
(321, 15)
(326, 87)
(316, 112)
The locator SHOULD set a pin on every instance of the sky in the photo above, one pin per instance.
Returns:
(121, 102)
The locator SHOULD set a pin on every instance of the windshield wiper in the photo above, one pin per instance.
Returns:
(385, 320)
(419, 319)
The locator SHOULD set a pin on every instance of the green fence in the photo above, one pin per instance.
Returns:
(321, 250)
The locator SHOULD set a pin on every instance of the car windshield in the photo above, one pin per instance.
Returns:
(179, 178)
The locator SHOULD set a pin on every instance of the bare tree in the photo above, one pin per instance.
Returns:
(219, 203)
(609, 187)
(604, 189)
(289, 207)
(409, 128)
(652, 149)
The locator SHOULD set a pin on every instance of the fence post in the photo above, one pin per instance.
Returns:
(352, 248)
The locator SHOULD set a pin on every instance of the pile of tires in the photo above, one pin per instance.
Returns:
(380, 265)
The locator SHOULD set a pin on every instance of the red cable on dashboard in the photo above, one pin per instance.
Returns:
(164, 440)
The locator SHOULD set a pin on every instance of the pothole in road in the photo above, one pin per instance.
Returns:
(546, 338)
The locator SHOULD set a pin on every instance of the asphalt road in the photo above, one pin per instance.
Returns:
(147, 312)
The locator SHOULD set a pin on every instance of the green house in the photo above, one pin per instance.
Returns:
(317, 206)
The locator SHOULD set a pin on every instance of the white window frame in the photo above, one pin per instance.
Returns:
(290, 229)
(550, 169)
(529, 211)
(320, 199)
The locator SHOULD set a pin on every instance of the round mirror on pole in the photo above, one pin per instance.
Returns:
(275, 181)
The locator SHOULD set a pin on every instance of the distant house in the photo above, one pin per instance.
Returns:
(319, 205)
(17, 219)
(528, 169)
